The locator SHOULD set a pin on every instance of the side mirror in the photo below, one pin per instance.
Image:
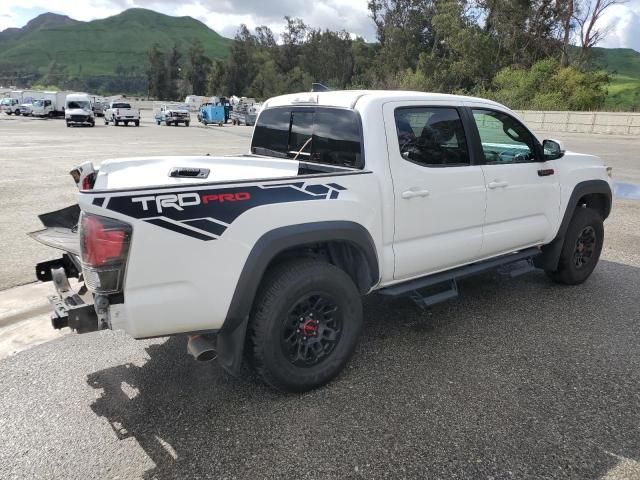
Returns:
(553, 149)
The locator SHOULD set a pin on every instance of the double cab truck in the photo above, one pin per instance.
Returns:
(265, 256)
(121, 112)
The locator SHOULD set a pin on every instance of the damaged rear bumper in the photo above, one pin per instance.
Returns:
(69, 308)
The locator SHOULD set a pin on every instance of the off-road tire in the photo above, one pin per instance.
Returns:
(568, 272)
(284, 288)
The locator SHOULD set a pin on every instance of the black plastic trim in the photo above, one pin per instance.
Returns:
(457, 273)
(551, 252)
(232, 334)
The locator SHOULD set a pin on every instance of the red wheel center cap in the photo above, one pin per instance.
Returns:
(310, 327)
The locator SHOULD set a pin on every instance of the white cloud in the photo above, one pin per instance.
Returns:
(623, 22)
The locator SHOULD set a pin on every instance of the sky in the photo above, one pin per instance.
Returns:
(224, 16)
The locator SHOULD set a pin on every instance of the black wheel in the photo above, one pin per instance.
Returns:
(137, 123)
(17, 113)
(126, 124)
(68, 124)
(186, 124)
(305, 325)
(106, 122)
(581, 249)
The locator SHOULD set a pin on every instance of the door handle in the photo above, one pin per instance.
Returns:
(415, 193)
(497, 184)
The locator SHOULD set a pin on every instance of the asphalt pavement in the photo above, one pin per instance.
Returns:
(519, 378)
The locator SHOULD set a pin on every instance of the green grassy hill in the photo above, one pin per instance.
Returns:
(624, 66)
(101, 46)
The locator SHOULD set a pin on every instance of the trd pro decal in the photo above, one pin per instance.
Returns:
(206, 214)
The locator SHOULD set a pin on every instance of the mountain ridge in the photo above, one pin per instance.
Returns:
(101, 46)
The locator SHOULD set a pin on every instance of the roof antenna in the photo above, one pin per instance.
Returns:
(318, 87)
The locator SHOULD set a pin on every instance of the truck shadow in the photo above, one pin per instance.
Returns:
(521, 378)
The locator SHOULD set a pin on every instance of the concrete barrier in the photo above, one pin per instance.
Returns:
(613, 123)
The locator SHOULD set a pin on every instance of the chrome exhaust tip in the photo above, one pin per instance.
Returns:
(201, 348)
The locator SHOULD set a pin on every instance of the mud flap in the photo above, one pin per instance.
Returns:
(230, 347)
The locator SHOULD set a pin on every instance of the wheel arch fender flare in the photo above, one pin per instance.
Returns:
(551, 252)
(231, 338)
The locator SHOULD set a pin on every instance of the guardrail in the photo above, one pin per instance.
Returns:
(612, 123)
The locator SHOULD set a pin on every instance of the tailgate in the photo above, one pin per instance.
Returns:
(61, 230)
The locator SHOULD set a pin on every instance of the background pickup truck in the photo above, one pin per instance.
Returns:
(173, 114)
(121, 112)
(265, 256)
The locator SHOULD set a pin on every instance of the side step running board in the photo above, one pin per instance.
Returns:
(434, 298)
(514, 264)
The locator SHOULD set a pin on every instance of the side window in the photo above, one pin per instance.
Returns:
(504, 139)
(432, 136)
(321, 135)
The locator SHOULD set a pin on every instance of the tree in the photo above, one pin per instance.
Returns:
(157, 78)
(549, 86)
(403, 29)
(587, 14)
(240, 66)
(293, 37)
(217, 80)
(174, 71)
(332, 56)
(198, 68)
(565, 9)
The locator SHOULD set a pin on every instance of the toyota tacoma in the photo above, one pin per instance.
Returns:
(265, 256)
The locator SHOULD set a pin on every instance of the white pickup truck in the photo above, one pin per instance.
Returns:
(121, 112)
(265, 256)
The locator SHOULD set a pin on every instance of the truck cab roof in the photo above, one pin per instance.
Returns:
(351, 98)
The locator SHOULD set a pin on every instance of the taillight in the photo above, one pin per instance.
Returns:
(104, 244)
(84, 175)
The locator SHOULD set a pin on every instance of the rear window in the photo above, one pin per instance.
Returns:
(321, 135)
(121, 105)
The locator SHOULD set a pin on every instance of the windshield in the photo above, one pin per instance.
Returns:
(121, 105)
(316, 134)
(82, 104)
(38, 103)
(6, 101)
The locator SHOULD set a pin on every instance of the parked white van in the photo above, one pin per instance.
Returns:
(78, 110)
